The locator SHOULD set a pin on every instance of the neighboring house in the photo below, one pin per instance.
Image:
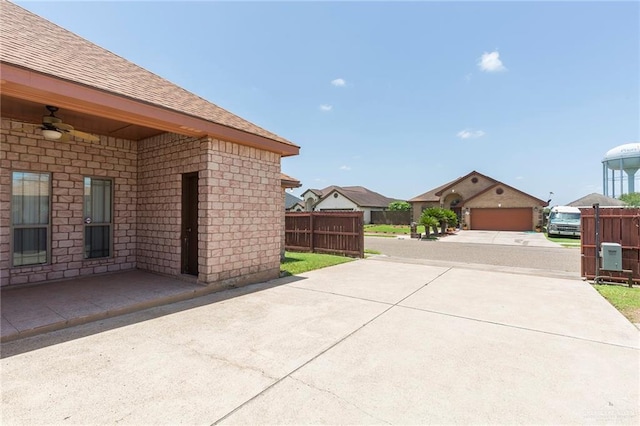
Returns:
(297, 207)
(346, 198)
(483, 203)
(589, 200)
(291, 202)
(159, 179)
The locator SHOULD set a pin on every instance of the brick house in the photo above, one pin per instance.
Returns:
(483, 203)
(150, 176)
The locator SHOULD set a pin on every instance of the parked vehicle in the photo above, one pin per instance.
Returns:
(564, 220)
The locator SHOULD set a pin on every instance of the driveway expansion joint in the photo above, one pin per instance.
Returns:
(327, 349)
(501, 324)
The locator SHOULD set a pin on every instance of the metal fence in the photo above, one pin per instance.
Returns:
(617, 225)
(325, 232)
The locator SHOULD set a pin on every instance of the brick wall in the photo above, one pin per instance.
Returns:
(240, 205)
(162, 161)
(509, 198)
(22, 148)
(242, 214)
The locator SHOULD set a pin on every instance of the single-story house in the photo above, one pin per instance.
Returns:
(346, 198)
(126, 170)
(292, 202)
(483, 203)
(297, 207)
(589, 200)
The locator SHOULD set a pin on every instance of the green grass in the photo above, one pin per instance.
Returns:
(297, 263)
(625, 299)
(391, 229)
(370, 251)
(565, 241)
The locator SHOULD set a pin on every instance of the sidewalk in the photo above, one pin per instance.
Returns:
(28, 311)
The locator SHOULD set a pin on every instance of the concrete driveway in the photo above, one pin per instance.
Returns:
(369, 341)
(511, 238)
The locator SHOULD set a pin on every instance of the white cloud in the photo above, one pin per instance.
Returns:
(339, 82)
(325, 107)
(470, 134)
(490, 62)
(345, 168)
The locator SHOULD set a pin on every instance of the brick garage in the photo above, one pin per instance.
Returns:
(149, 135)
(483, 203)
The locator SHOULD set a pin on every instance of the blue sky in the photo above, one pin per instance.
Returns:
(400, 97)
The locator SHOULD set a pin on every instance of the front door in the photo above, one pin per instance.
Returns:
(190, 224)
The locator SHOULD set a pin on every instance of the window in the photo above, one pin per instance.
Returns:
(30, 207)
(98, 215)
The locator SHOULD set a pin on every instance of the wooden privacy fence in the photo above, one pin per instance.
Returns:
(389, 217)
(325, 232)
(617, 225)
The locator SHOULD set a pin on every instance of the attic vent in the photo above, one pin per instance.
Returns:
(335, 195)
(499, 191)
(474, 180)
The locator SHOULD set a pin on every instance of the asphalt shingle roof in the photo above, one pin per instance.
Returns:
(593, 198)
(359, 195)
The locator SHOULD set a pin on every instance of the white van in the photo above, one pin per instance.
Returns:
(564, 220)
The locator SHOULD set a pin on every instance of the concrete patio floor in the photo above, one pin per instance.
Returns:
(32, 310)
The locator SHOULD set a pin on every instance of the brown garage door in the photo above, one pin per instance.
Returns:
(502, 219)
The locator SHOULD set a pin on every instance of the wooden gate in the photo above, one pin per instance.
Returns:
(617, 225)
(325, 232)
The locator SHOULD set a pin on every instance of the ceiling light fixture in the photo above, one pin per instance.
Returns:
(52, 135)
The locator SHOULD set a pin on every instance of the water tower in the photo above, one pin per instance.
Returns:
(622, 159)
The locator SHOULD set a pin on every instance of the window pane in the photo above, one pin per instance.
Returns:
(29, 246)
(97, 200)
(97, 241)
(87, 197)
(30, 198)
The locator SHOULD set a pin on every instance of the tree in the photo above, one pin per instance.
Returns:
(632, 199)
(445, 217)
(452, 217)
(429, 223)
(399, 206)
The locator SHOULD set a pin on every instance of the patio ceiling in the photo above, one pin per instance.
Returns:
(32, 112)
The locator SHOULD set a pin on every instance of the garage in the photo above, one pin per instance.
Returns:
(502, 219)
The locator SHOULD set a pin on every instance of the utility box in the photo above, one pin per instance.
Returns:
(611, 256)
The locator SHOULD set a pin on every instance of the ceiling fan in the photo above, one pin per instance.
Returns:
(54, 129)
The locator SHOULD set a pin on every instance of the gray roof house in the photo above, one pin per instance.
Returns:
(346, 198)
(593, 198)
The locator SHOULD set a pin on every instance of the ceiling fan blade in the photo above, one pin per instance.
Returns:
(63, 126)
(48, 119)
(85, 136)
(65, 137)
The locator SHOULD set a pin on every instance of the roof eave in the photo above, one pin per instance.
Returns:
(27, 84)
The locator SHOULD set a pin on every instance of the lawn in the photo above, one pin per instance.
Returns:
(625, 299)
(390, 229)
(296, 263)
(565, 241)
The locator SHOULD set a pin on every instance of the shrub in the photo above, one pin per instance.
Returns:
(399, 206)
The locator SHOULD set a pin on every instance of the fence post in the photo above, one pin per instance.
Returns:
(313, 233)
(596, 213)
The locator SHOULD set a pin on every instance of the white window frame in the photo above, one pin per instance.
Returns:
(14, 226)
(89, 220)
